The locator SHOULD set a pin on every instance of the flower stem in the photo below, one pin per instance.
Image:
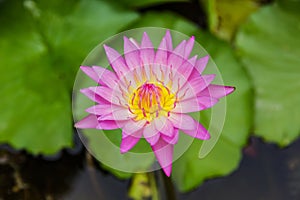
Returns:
(153, 186)
(168, 186)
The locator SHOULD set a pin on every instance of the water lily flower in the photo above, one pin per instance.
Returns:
(149, 94)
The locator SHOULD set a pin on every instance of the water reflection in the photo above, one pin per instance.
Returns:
(266, 172)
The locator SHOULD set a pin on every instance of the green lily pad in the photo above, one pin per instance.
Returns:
(41, 49)
(268, 45)
(190, 171)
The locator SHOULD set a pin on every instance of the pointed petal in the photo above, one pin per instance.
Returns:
(103, 109)
(186, 68)
(146, 42)
(110, 124)
(147, 52)
(161, 55)
(116, 61)
(216, 91)
(193, 87)
(133, 126)
(198, 132)
(93, 96)
(153, 139)
(164, 126)
(164, 155)
(201, 64)
(121, 114)
(106, 77)
(134, 42)
(194, 104)
(168, 39)
(129, 141)
(131, 53)
(173, 139)
(207, 101)
(189, 47)
(175, 60)
(109, 95)
(91, 73)
(182, 121)
(180, 49)
(89, 121)
(151, 134)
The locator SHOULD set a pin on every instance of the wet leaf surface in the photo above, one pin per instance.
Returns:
(268, 45)
(41, 49)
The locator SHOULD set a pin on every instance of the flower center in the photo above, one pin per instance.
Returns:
(151, 100)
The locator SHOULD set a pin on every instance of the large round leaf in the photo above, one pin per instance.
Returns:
(41, 48)
(189, 170)
(268, 45)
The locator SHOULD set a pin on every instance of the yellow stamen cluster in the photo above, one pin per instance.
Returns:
(151, 100)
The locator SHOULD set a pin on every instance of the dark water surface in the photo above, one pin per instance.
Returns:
(266, 173)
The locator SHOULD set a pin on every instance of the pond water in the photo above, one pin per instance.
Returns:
(265, 173)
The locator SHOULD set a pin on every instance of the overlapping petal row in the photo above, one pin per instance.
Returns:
(149, 93)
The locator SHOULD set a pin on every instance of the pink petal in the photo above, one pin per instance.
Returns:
(146, 42)
(199, 67)
(147, 52)
(109, 95)
(179, 50)
(207, 101)
(131, 53)
(151, 134)
(189, 47)
(177, 82)
(173, 139)
(164, 154)
(186, 68)
(161, 55)
(91, 73)
(182, 74)
(89, 121)
(168, 39)
(198, 132)
(201, 64)
(164, 126)
(110, 124)
(103, 109)
(216, 91)
(93, 96)
(194, 104)
(175, 60)
(134, 42)
(182, 121)
(116, 61)
(154, 139)
(121, 114)
(193, 87)
(133, 126)
(106, 77)
(129, 141)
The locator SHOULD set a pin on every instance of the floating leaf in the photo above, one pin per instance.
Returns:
(41, 50)
(268, 45)
(189, 170)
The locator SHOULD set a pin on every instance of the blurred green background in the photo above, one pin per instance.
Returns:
(255, 44)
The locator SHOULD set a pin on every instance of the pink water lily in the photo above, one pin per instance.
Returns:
(149, 94)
